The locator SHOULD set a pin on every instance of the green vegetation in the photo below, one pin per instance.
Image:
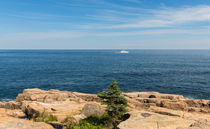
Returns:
(85, 125)
(115, 111)
(68, 118)
(116, 103)
(92, 122)
(44, 117)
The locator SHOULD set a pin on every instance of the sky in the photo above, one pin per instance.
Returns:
(104, 24)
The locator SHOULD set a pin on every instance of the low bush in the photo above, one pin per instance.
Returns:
(91, 122)
(116, 111)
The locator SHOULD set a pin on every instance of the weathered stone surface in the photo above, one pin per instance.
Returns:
(13, 123)
(149, 110)
(142, 100)
(93, 109)
(10, 105)
(155, 101)
(197, 103)
(15, 113)
(60, 109)
(167, 112)
(183, 114)
(86, 97)
(170, 101)
(176, 105)
(139, 120)
(8, 122)
(44, 96)
(200, 124)
(135, 104)
(152, 95)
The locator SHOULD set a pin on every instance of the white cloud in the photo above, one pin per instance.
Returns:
(167, 17)
(187, 14)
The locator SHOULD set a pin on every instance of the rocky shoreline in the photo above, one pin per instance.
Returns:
(148, 110)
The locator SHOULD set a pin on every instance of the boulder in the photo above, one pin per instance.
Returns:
(93, 109)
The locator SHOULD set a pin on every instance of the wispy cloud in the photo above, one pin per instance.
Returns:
(166, 17)
(115, 16)
(172, 17)
(110, 15)
(185, 14)
(78, 20)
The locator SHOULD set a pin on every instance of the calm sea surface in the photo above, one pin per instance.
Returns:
(185, 72)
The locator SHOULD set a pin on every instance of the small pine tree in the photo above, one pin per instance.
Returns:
(116, 103)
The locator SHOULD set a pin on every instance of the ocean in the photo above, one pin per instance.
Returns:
(184, 72)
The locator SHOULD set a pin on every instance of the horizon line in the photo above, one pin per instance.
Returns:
(105, 49)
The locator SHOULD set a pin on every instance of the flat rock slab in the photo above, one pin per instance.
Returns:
(149, 120)
(8, 122)
(152, 95)
(60, 110)
(22, 124)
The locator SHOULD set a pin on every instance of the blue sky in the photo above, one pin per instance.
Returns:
(104, 24)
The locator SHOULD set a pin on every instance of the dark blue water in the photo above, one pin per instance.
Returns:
(185, 72)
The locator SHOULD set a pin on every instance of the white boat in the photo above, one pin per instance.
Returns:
(124, 52)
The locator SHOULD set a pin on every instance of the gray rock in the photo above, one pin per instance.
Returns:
(92, 109)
